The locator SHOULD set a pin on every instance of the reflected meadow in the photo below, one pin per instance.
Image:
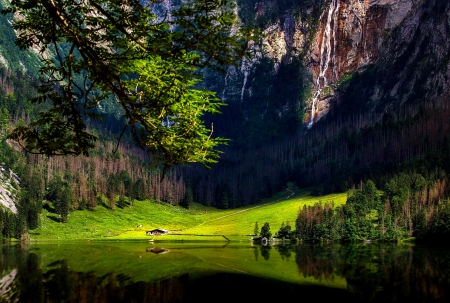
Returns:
(216, 272)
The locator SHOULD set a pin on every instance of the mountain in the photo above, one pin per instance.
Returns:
(337, 92)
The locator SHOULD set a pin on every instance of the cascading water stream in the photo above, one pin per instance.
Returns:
(327, 54)
(246, 67)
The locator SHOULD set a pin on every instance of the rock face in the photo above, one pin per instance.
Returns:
(8, 189)
(284, 39)
(349, 36)
(332, 37)
(419, 52)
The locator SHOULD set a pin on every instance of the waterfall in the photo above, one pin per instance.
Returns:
(327, 53)
(246, 68)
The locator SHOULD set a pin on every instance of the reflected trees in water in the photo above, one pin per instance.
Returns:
(371, 272)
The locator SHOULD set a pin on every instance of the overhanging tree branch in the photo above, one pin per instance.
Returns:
(149, 66)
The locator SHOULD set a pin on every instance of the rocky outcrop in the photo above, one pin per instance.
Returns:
(418, 51)
(9, 183)
(359, 45)
(284, 39)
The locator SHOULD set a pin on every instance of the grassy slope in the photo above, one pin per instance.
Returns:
(197, 223)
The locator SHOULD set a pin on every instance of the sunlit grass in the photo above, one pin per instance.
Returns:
(198, 223)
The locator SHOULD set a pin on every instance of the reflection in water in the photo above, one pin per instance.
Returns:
(61, 284)
(265, 252)
(256, 253)
(381, 273)
(65, 285)
(373, 273)
(285, 251)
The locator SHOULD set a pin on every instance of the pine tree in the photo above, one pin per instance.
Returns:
(256, 229)
(265, 231)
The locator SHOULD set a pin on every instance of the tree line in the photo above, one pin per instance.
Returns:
(410, 206)
(66, 184)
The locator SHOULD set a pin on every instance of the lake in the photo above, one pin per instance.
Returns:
(221, 272)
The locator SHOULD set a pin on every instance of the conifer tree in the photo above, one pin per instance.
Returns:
(265, 231)
(256, 229)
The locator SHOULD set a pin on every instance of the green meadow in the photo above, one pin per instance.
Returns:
(198, 223)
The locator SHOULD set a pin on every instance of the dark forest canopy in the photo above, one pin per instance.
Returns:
(150, 65)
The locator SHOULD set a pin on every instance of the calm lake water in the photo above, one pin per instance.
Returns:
(218, 272)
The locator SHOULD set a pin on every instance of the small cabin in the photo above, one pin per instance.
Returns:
(157, 232)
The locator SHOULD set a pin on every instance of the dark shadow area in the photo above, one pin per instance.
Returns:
(225, 287)
(48, 207)
(54, 218)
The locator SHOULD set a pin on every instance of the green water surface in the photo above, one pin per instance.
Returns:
(218, 272)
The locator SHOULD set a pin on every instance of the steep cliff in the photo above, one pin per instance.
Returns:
(350, 34)
(414, 61)
(349, 37)
(336, 38)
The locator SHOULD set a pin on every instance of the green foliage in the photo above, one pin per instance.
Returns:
(16, 101)
(4, 119)
(32, 194)
(439, 227)
(285, 231)
(16, 61)
(120, 48)
(358, 219)
(319, 222)
(139, 189)
(265, 231)
(122, 201)
(12, 226)
(409, 207)
(256, 229)
(364, 200)
(59, 193)
(7, 154)
(189, 198)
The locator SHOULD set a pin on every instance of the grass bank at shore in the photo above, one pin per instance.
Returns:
(198, 223)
